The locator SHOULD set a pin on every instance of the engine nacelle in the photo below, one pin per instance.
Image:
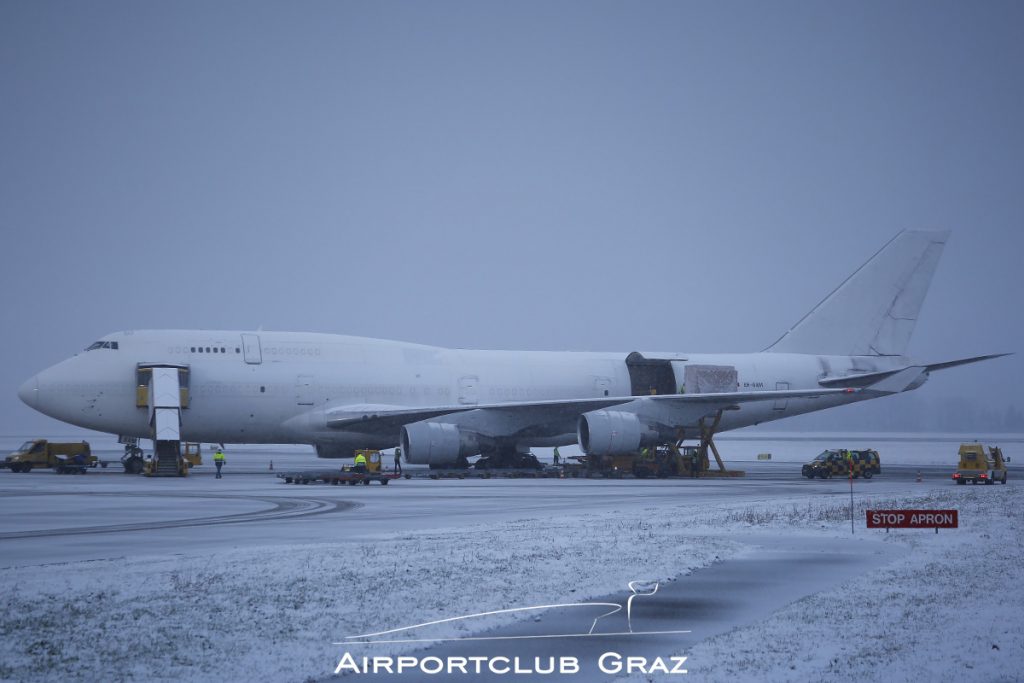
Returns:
(436, 443)
(613, 432)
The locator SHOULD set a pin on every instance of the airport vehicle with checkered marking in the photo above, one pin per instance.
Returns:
(840, 463)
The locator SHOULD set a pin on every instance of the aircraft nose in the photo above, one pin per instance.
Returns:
(29, 392)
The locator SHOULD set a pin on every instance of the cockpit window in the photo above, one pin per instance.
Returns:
(102, 345)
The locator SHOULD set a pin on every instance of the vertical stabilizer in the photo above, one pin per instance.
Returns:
(873, 312)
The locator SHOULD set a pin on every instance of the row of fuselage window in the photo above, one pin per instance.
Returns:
(212, 349)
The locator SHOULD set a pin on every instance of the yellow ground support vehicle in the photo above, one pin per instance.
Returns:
(63, 457)
(835, 463)
(669, 461)
(975, 466)
(372, 461)
(193, 454)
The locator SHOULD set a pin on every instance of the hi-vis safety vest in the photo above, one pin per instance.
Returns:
(360, 459)
(219, 455)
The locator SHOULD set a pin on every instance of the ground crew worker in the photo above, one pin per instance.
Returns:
(360, 464)
(219, 460)
(694, 465)
(398, 460)
(557, 457)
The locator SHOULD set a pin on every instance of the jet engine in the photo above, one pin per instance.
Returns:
(437, 443)
(613, 432)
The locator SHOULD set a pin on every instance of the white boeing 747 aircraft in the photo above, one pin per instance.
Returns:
(339, 393)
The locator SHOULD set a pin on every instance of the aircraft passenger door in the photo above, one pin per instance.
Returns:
(251, 349)
(468, 390)
(781, 404)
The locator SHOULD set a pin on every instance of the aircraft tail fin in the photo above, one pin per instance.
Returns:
(873, 312)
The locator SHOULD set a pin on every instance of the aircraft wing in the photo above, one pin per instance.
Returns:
(505, 418)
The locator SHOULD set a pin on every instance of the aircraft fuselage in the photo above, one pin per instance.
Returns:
(279, 387)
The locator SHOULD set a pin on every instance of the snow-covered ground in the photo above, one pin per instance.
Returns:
(272, 614)
(264, 601)
(950, 609)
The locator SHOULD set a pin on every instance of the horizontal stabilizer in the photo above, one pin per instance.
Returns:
(907, 378)
(964, 361)
(868, 379)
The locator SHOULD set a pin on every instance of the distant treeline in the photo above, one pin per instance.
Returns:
(909, 413)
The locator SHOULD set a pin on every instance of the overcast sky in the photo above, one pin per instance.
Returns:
(536, 175)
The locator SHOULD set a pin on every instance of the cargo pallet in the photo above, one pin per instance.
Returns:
(510, 473)
(336, 477)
